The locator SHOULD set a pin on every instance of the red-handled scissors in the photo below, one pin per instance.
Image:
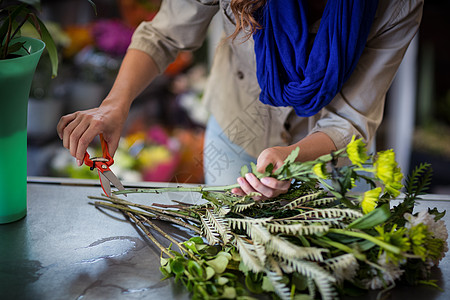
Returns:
(102, 165)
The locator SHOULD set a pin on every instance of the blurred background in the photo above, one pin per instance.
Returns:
(163, 138)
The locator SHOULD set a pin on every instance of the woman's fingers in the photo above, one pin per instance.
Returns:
(267, 187)
(281, 186)
(63, 122)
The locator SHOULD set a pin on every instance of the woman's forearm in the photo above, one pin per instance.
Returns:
(136, 72)
(314, 146)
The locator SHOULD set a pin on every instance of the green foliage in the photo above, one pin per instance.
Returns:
(204, 276)
(315, 239)
(13, 15)
(416, 184)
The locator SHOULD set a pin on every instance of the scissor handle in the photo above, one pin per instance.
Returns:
(105, 151)
(90, 163)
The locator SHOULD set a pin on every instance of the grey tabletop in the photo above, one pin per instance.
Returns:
(65, 248)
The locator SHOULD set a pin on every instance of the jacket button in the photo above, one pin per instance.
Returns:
(240, 75)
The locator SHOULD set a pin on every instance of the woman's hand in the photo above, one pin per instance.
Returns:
(268, 187)
(77, 130)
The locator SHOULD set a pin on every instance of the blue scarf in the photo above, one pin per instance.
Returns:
(290, 76)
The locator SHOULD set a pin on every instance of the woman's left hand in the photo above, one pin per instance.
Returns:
(268, 187)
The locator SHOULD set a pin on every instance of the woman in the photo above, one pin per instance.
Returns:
(288, 74)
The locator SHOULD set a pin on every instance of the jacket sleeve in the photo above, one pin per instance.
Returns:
(178, 25)
(358, 108)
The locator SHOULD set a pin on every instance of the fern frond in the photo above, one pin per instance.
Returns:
(332, 213)
(220, 226)
(321, 201)
(419, 180)
(260, 234)
(279, 287)
(222, 210)
(260, 252)
(209, 231)
(285, 249)
(332, 222)
(243, 206)
(301, 200)
(245, 224)
(295, 229)
(342, 267)
(248, 256)
(323, 280)
(311, 288)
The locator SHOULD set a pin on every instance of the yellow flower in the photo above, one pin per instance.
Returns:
(370, 200)
(133, 138)
(356, 151)
(418, 236)
(150, 157)
(387, 170)
(320, 170)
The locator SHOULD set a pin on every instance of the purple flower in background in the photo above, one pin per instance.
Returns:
(112, 36)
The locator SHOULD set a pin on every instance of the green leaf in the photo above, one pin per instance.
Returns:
(254, 170)
(244, 170)
(51, 47)
(229, 292)
(254, 283)
(219, 264)
(197, 240)
(191, 246)
(222, 280)
(164, 261)
(373, 218)
(225, 254)
(437, 214)
(93, 6)
(209, 273)
(267, 285)
(300, 281)
(177, 267)
(15, 47)
(195, 269)
(269, 168)
(293, 156)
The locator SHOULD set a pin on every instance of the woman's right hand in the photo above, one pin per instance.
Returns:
(77, 130)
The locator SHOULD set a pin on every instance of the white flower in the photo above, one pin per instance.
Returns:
(391, 273)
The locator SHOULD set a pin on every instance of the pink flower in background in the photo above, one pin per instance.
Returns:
(158, 135)
(112, 36)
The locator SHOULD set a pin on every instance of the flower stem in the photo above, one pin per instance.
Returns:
(198, 189)
(149, 235)
(166, 218)
(370, 238)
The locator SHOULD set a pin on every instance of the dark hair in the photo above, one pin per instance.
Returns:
(244, 11)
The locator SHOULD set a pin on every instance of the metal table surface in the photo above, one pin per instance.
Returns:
(65, 248)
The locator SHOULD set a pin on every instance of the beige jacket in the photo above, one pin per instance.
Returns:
(232, 90)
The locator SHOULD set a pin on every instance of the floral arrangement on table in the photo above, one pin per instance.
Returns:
(320, 238)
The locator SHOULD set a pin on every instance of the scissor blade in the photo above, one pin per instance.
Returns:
(105, 182)
(114, 180)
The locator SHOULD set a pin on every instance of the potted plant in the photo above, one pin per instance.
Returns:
(18, 59)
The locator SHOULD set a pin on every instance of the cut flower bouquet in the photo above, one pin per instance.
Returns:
(320, 239)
